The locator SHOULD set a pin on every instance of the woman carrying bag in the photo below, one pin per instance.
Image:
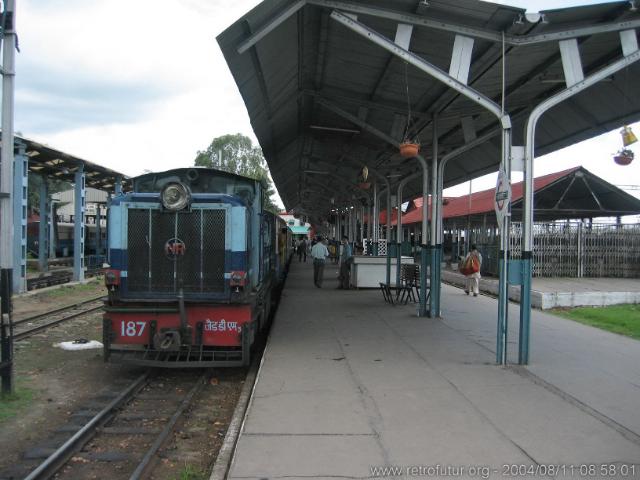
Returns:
(470, 267)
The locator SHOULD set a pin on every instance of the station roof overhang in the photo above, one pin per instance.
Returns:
(575, 193)
(324, 101)
(55, 164)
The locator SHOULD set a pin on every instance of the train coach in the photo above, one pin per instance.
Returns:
(195, 267)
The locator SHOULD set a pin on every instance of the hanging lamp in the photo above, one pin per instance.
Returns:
(409, 147)
(628, 137)
(624, 157)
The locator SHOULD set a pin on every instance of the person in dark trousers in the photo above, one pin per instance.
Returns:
(302, 249)
(346, 258)
(319, 253)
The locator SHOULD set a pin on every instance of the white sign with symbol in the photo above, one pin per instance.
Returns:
(503, 196)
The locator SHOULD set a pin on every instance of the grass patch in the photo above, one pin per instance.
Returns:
(189, 472)
(94, 285)
(10, 405)
(622, 319)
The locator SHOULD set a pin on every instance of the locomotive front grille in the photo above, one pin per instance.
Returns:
(169, 251)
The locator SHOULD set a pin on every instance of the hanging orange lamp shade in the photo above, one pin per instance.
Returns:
(409, 149)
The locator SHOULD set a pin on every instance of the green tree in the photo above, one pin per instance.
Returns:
(55, 186)
(237, 154)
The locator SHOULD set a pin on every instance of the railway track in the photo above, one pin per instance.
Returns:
(58, 277)
(27, 327)
(122, 439)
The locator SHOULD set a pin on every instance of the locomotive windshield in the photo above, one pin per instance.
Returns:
(199, 180)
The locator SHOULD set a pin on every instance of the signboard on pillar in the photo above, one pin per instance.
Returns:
(517, 158)
(502, 197)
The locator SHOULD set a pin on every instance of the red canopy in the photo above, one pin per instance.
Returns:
(481, 202)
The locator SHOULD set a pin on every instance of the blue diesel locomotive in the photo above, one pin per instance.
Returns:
(195, 266)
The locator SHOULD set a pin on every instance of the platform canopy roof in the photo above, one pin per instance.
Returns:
(324, 100)
(52, 163)
(570, 194)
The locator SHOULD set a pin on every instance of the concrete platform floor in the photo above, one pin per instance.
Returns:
(349, 384)
(549, 293)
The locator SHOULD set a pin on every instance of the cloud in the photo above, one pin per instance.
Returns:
(134, 86)
(142, 84)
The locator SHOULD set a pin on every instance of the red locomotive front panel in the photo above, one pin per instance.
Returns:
(221, 325)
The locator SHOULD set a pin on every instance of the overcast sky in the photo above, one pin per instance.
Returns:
(142, 85)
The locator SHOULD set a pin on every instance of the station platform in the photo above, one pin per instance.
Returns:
(547, 293)
(350, 387)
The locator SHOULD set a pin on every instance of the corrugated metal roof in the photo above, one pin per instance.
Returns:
(309, 83)
(571, 193)
(47, 161)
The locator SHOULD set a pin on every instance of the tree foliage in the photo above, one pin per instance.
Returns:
(55, 186)
(237, 154)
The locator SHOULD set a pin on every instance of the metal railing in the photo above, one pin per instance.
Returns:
(571, 249)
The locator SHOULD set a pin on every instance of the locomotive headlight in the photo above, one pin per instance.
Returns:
(175, 196)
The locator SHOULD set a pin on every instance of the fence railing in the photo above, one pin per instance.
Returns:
(573, 250)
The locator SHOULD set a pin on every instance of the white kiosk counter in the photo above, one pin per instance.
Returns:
(369, 271)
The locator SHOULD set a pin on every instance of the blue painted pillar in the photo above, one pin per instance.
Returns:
(78, 225)
(52, 229)
(424, 263)
(525, 308)
(98, 230)
(107, 251)
(43, 228)
(436, 285)
(501, 340)
(20, 196)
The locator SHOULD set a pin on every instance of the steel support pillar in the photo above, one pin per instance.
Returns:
(78, 225)
(363, 235)
(374, 237)
(20, 199)
(399, 230)
(388, 234)
(424, 254)
(43, 226)
(631, 56)
(399, 235)
(434, 281)
(503, 264)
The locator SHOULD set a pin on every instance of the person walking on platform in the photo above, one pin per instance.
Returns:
(346, 258)
(471, 268)
(319, 253)
(302, 249)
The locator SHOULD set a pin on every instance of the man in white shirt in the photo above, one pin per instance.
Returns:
(319, 253)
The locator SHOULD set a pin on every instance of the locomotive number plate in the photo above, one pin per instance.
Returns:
(132, 329)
